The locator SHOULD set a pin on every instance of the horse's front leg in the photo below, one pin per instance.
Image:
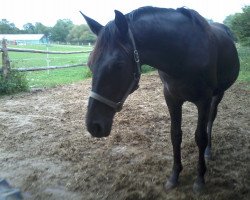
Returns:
(175, 110)
(201, 141)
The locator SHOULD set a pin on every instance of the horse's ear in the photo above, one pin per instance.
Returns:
(121, 22)
(94, 26)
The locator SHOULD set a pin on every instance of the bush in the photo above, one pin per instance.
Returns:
(14, 82)
(146, 69)
(246, 42)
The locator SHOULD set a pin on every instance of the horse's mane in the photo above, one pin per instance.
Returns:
(194, 16)
(191, 14)
(135, 14)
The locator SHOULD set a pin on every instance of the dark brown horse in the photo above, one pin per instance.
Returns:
(197, 62)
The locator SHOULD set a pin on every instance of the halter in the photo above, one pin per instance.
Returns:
(117, 106)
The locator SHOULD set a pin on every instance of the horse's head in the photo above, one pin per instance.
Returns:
(114, 63)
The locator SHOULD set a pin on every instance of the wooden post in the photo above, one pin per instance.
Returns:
(5, 59)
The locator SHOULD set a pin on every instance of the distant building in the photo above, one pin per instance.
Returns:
(24, 39)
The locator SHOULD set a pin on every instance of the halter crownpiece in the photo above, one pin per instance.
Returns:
(117, 106)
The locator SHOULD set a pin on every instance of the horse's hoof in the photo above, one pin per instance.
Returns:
(170, 185)
(198, 186)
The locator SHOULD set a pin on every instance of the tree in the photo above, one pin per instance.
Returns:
(61, 30)
(8, 28)
(80, 34)
(240, 25)
(41, 29)
(228, 20)
(29, 28)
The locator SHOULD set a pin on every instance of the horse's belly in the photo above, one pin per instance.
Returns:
(186, 90)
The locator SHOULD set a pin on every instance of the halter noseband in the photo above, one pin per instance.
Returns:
(117, 106)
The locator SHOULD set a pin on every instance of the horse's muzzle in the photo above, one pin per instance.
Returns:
(99, 129)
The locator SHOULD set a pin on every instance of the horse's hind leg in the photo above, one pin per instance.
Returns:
(212, 115)
(175, 110)
(201, 140)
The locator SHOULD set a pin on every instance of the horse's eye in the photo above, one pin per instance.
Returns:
(115, 66)
(119, 65)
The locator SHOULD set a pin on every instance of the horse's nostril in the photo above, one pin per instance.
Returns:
(98, 128)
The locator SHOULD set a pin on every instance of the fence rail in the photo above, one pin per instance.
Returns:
(48, 68)
(40, 51)
(6, 61)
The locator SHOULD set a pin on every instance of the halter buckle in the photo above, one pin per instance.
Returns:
(136, 56)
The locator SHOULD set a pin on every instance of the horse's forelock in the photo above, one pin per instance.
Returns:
(107, 40)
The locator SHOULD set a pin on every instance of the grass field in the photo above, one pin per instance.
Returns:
(52, 78)
(26, 60)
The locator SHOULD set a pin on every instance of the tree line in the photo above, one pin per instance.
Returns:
(63, 31)
(239, 23)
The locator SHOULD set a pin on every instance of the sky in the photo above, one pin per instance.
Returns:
(48, 12)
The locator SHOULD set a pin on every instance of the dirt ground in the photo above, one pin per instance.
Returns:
(46, 151)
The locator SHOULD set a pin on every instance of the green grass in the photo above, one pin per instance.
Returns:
(26, 60)
(51, 78)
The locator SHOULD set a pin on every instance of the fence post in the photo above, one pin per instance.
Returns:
(5, 59)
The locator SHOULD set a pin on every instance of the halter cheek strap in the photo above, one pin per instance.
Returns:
(117, 106)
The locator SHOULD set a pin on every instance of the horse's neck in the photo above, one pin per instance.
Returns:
(155, 47)
(165, 43)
